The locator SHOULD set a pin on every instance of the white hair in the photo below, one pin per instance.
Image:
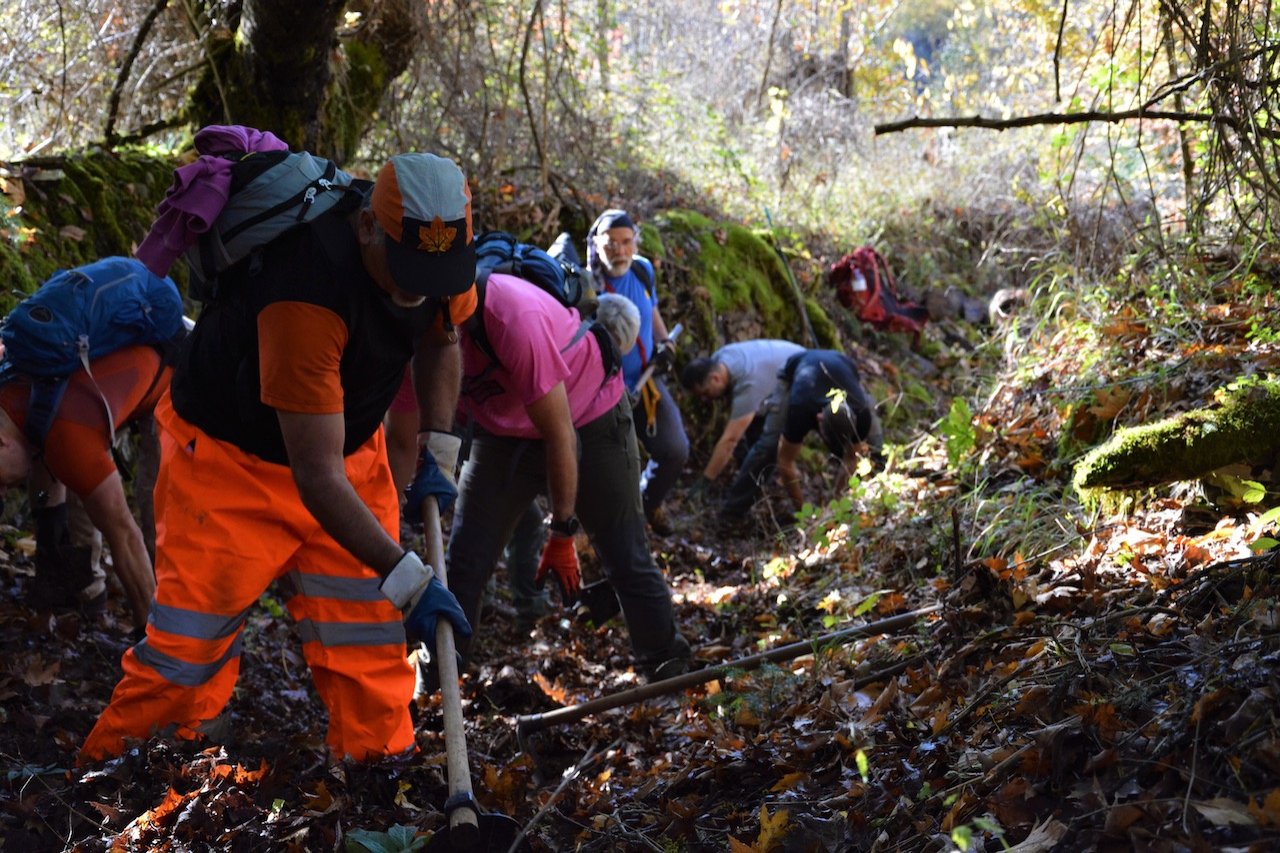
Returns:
(620, 318)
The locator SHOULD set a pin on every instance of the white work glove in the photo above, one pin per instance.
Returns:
(408, 578)
(444, 448)
(414, 588)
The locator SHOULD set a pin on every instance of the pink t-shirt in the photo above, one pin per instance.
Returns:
(527, 329)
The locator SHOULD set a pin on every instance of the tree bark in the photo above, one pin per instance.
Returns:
(313, 73)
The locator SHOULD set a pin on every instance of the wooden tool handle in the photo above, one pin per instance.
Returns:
(455, 737)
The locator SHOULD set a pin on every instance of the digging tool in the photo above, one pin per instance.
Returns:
(468, 828)
(531, 723)
(600, 601)
(648, 371)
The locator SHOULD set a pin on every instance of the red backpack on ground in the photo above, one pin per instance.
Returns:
(864, 285)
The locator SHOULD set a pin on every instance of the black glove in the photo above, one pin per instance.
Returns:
(700, 491)
(664, 354)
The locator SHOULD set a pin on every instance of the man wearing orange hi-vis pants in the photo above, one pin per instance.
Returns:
(274, 467)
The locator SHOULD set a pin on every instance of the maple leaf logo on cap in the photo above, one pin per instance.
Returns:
(436, 237)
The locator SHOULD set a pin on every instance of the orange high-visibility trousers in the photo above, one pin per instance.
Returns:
(227, 525)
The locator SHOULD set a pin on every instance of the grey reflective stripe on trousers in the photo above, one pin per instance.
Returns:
(328, 586)
(341, 589)
(351, 633)
(194, 624)
(181, 672)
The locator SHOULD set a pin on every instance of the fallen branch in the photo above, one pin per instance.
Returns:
(528, 724)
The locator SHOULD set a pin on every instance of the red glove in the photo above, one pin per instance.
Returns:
(561, 557)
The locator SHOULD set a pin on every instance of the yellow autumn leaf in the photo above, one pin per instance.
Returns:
(736, 846)
(786, 783)
(402, 800)
(772, 829)
(1267, 814)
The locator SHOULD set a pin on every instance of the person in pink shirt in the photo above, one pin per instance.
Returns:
(543, 397)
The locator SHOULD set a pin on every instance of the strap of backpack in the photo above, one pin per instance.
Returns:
(479, 336)
(644, 272)
(83, 346)
(42, 404)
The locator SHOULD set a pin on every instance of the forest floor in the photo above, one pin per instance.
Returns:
(1087, 682)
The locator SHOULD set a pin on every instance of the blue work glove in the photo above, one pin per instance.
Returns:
(429, 480)
(436, 601)
(414, 588)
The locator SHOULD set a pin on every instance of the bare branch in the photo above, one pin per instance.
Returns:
(113, 106)
(524, 90)
(1057, 53)
(1088, 116)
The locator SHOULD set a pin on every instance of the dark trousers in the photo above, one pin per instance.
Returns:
(667, 446)
(500, 478)
(758, 465)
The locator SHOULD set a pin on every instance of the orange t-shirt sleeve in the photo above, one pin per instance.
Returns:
(78, 448)
(300, 349)
(459, 308)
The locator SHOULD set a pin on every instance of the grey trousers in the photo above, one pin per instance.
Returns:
(500, 478)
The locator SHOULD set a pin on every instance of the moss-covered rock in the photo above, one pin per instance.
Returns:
(1243, 424)
(66, 211)
(728, 284)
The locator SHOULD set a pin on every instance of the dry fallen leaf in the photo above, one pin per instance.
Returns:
(1043, 838)
(1221, 811)
(772, 828)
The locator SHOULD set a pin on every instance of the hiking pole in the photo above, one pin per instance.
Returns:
(530, 723)
(795, 285)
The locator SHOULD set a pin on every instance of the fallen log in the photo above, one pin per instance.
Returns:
(1242, 424)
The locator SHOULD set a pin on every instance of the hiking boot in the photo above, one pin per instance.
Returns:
(658, 522)
(676, 662)
(669, 668)
(93, 606)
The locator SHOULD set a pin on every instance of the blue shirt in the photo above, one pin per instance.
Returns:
(632, 286)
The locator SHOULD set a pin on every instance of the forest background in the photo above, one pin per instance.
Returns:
(1103, 672)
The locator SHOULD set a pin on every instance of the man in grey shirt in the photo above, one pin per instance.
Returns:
(748, 371)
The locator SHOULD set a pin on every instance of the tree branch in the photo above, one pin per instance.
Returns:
(543, 165)
(1049, 118)
(1057, 54)
(113, 105)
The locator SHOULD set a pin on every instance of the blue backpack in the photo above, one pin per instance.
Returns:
(77, 316)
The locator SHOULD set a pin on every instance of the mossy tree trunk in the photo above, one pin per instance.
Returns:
(1244, 424)
(313, 73)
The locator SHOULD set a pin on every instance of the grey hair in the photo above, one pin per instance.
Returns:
(620, 318)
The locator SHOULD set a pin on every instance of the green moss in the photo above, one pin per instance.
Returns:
(823, 328)
(735, 284)
(76, 209)
(360, 86)
(1244, 424)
